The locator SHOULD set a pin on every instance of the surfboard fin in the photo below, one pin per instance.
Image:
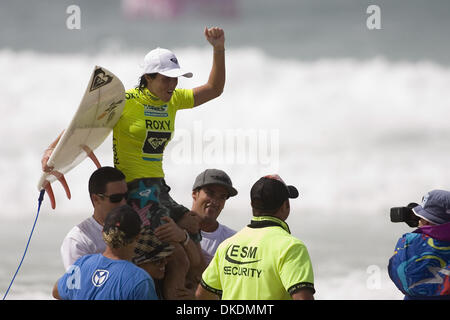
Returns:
(48, 187)
(51, 195)
(63, 182)
(92, 156)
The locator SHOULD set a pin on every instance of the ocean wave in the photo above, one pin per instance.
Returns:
(343, 127)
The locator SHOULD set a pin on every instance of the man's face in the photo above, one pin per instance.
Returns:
(209, 201)
(103, 203)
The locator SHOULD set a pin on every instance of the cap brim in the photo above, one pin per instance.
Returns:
(424, 214)
(231, 191)
(165, 252)
(293, 192)
(175, 73)
(421, 213)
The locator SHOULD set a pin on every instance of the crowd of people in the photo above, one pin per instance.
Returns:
(140, 243)
(114, 255)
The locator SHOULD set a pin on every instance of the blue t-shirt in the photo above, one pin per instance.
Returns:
(95, 277)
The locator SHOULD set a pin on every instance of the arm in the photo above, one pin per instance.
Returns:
(48, 152)
(55, 292)
(72, 249)
(216, 81)
(203, 294)
(303, 295)
(171, 232)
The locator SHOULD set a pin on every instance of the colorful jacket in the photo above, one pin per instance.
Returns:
(420, 266)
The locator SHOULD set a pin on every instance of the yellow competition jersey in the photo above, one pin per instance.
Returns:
(144, 130)
(260, 262)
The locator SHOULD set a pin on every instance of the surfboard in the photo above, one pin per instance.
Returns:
(100, 108)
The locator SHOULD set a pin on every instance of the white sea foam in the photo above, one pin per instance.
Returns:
(355, 137)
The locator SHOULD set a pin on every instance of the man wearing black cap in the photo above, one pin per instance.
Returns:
(263, 261)
(211, 189)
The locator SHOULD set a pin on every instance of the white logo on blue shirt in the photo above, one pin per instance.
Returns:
(99, 277)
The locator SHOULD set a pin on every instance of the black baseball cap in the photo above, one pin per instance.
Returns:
(214, 176)
(269, 193)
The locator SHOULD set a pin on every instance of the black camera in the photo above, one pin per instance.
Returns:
(405, 214)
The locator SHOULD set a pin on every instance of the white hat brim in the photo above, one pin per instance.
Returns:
(175, 73)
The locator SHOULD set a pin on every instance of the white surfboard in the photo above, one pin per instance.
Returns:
(98, 113)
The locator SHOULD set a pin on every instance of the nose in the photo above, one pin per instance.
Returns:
(216, 200)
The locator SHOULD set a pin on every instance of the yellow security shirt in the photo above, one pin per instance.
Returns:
(260, 262)
(144, 130)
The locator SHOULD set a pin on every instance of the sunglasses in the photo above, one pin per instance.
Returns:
(115, 198)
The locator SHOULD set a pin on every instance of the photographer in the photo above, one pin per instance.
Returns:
(420, 266)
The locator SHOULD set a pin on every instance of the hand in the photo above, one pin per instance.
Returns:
(184, 294)
(216, 37)
(170, 231)
(190, 222)
(48, 152)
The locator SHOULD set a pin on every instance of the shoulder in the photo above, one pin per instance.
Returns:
(75, 234)
(183, 98)
(85, 230)
(408, 239)
(179, 92)
(89, 225)
(133, 270)
(132, 93)
(226, 230)
(286, 244)
(86, 260)
(133, 275)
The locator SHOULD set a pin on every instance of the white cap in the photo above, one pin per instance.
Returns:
(165, 62)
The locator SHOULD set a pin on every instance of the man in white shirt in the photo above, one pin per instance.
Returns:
(108, 190)
(211, 190)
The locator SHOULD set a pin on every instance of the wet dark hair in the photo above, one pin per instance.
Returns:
(143, 82)
(101, 177)
(122, 225)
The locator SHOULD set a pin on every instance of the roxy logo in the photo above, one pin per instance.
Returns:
(145, 193)
(100, 79)
(99, 277)
(157, 142)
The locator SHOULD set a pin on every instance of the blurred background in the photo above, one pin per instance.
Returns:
(355, 117)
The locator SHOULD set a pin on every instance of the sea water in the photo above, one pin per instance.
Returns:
(356, 134)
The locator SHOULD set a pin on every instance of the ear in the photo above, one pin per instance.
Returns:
(195, 194)
(287, 204)
(286, 207)
(147, 78)
(95, 199)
